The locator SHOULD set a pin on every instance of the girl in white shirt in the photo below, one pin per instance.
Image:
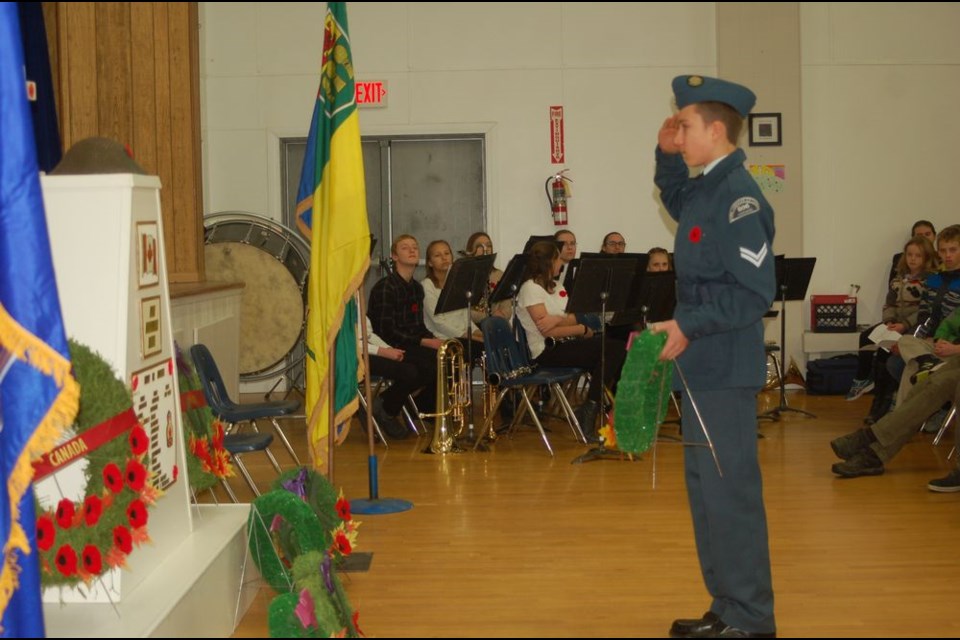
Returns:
(541, 304)
(443, 325)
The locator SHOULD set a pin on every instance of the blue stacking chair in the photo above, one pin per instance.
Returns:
(240, 443)
(509, 367)
(232, 413)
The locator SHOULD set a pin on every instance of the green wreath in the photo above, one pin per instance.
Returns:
(282, 527)
(317, 607)
(78, 541)
(642, 393)
(207, 460)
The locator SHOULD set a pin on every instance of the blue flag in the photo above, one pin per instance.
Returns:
(36, 63)
(38, 396)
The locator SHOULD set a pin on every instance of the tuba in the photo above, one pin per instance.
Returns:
(453, 397)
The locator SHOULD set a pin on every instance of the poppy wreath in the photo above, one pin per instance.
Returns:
(207, 461)
(79, 541)
(282, 527)
(317, 606)
(330, 507)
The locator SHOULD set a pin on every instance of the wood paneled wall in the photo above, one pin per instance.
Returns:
(130, 71)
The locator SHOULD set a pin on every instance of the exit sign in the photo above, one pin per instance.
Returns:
(371, 94)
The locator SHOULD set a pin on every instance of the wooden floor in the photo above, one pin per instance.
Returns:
(516, 543)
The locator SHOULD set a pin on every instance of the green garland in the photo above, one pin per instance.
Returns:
(80, 540)
(642, 393)
(207, 461)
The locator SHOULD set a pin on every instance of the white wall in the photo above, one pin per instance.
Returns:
(881, 85)
(458, 67)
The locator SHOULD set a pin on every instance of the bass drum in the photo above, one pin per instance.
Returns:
(273, 261)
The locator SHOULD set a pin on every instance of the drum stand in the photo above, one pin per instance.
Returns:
(294, 384)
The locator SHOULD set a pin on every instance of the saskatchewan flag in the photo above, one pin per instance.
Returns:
(332, 212)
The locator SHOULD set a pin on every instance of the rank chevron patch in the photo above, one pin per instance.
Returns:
(756, 259)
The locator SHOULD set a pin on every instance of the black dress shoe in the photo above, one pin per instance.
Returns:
(723, 630)
(690, 628)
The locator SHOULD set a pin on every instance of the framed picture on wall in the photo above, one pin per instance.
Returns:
(765, 130)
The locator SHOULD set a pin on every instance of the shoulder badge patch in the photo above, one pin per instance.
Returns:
(743, 207)
(754, 257)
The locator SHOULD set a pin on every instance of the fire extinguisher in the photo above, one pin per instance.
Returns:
(557, 187)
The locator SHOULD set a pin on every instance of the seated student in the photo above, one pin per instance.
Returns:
(388, 362)
(899, 314)
(480, 244)
(923, 228)
(568, 255)
(865, 451)
(453, 324)
(658, 259)
(613, 242)
(941, 296)
(541, 313)
(396, 313)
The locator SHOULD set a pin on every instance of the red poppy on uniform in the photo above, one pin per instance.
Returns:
(695, 234)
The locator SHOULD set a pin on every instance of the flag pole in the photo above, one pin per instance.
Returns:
(374, 505)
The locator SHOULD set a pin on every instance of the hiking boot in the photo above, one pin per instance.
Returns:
(858, 388)
(864, 463)
(882, 404)
(950, 483)
(849, 445)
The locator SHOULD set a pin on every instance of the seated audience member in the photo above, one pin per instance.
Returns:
(452, 324)
(941, 296)
(900, 312)
(613, 242)
(568, 254)
(480, 244)
(388, 362)
(658, 259)
(396, 313)
(865, 451)
(541, 313)
(923, 228)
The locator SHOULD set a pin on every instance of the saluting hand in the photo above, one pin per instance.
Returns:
(676, 344)
(667, 135)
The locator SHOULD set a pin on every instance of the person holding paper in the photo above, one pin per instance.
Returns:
(900, 310)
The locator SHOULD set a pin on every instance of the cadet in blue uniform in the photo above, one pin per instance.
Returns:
(725, 283)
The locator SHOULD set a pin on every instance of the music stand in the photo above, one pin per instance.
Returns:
(467, 280)
(509, 284)
(793, 278)
(602, 284)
